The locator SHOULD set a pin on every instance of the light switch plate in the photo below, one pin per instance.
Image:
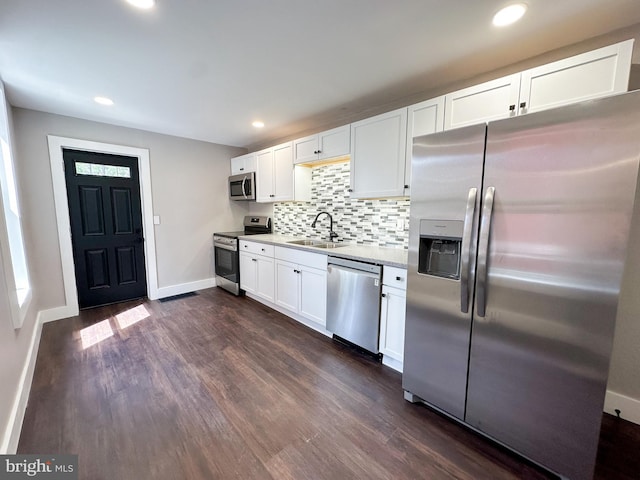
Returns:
(156, 219)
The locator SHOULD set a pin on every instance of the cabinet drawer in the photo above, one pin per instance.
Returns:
(300, 257)
(256, 248)
(394, 277)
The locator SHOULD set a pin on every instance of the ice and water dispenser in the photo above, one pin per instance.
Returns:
(439, 248)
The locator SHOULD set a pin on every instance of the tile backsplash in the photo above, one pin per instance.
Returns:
(369, 222)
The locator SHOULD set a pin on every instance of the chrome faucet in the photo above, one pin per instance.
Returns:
(332, 234)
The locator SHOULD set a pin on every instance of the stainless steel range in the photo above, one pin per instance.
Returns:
(227, 256)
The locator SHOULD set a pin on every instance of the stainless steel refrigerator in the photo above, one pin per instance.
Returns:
(518, 238)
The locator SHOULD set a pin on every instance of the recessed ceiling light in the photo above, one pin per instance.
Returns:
(509, 14)
(103, 101)
(258, 124)
(142, 3)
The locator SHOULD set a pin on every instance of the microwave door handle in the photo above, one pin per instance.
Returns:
(244, 191)
(483, 250)
(465, 254)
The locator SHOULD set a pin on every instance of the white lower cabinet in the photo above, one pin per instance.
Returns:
(392, 316)
(313, 294)
(301, 283)
(288, 285)
(257, 270)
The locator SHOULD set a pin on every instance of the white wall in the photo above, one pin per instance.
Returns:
(14, 348)
(189, 189)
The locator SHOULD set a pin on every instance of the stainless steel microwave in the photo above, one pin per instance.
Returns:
(243, 186)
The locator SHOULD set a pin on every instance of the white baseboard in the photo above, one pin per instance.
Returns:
(305, 321)
(629, 407)
(14, 425)
(392, 363)
(58, 313)
(164, 292)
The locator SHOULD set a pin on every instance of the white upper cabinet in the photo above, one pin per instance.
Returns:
(594, 74)
(422, 119)
(335, 142)
(590, 75)
(322, 146)
(378, 150)
(283, 172)
(243, 164)
(305, 149)
(264, 176)
(482, 103)
(276, 178)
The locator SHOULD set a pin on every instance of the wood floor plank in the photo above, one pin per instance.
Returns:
(213, 386)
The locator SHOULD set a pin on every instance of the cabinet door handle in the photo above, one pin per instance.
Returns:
(271, 196)
(262, 249)
(512, 107)
(254, 259)
(398, 278)
(351, 189)
(523, 105)
(406, 186)
(383, 295)
(241, 169)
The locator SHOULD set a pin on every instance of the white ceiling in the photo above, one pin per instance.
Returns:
(205, 69)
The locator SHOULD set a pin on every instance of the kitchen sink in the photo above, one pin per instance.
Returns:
(315, 243)
(306, 241)
(329, 245)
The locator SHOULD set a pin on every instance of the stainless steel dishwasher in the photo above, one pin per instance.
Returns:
(353, 301)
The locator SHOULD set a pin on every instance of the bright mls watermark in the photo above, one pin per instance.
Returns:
(51, 467)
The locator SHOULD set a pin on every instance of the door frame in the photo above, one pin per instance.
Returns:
(56, 145)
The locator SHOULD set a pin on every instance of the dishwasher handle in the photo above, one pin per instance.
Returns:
(353, 271)
(360, 267)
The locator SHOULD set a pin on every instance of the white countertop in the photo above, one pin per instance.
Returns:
(395, 257)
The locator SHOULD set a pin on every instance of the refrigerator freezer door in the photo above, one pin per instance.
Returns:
(564, 189)
(445, 197)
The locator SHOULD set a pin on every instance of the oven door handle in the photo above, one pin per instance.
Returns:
(226, 247)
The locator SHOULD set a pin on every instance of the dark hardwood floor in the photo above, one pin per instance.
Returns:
(218, 387)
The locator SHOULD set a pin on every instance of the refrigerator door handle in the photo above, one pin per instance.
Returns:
(483, 250)
(465, 254)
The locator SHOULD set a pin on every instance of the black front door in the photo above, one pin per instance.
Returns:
(103, 192)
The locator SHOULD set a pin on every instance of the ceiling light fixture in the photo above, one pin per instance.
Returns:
(258, 124)
(509, 14)
(103, 101)
(145, 4)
